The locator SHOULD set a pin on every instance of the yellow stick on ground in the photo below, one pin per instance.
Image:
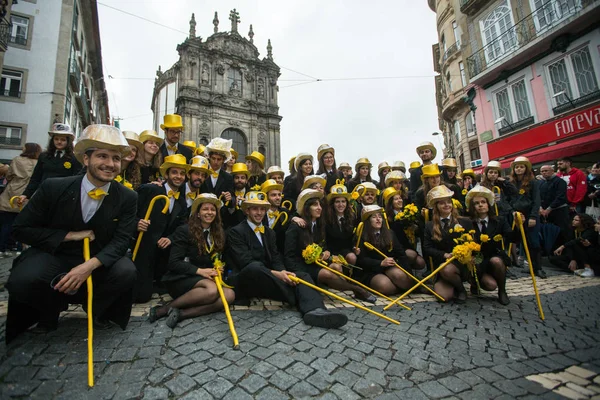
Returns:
(414, 278)
(147, 216)
(535, 289)
(90, 318)
(325, 266)
(427, 220)
(438, 269)
(234, 336)
(335, 296)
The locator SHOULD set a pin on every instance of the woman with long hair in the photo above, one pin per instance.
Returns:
(363, 173)
(491, 233)
(256, 164)
(583, 252)
(430, 178)
(57, 161)
(190, 277)
(298, 238)
(527, 201)
(18, 176)
(383, 169)
(398, 181)
(405, 231)
(341, 222)
(439, 242)
(491, 179)
(380, 273)
(151, 157)
(131, 175)
(303, 164)
(327, 166)
(232, 160)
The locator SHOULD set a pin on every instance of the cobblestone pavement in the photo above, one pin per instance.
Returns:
(479, 350)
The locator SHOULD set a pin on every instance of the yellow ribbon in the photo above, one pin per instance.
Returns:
(173, 194)
(273, 214)
(172, 148)
(260, 229)
(97, 194)
(192, 195)
(214, 174)
(239, 194)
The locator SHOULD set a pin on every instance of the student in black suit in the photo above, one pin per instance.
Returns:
(490, 232)
(54, 223)
(256, 168)
(277, 218)
(173, 128)
(292, 185)
(439, 243)
(153, 254)
(197, 174)
(427, 153)
(190, 277)
(234, 214)
(259, 269)
(57, 161)
(219, 181)
(341, 222)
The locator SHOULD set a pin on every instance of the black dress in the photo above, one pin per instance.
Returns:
(294, 246)
(370, 260)
(437, 248)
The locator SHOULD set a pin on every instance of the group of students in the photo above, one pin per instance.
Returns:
(258, 223)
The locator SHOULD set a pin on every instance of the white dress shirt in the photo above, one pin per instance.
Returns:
(171, 199)
(89, 206)
(254, 226)
(188, 201)
(169, 151)
(214, 180)
(487, 223)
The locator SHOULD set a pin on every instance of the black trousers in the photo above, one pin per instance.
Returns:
(151, 265)
(31, 299)
(560, 217)
(256, 280)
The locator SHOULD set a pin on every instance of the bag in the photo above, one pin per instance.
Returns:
(593, 211)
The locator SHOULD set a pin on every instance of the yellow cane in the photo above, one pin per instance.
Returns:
(385, 218)
(219, 283)
(438, 269)
(148, 212)
(347, 278)
(497, 191)
(426, 216)
(359, 231)
(285, 219)
(512, 229)
(12, 202)
(90, 319)
(373, 248)
(535, 289)
(335, 296)
(289, 205)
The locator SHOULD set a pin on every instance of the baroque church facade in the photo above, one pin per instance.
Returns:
(221, 88)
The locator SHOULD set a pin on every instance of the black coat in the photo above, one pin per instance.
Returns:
(339, 240)
(529, 202)
(279, 228)
(436, 249)
(51, 167)
(491, 248)
(243, 248)
(184, 246)
(553, 193)
(161, 225)
(294, 246)
(370, 260)
(181, 149)
(224, 184)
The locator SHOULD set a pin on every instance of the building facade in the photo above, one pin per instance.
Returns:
(531, 70)
(221, 88)
(51, 72)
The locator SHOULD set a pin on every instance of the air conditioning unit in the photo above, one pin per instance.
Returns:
(476, 163)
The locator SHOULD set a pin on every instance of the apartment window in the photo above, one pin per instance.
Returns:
(573, 76)
(461, 162)
(475, 154)
(10, 136)
(449, 81)
(11, 83)
(512, 103)
(549, 12)
(19, 30)
(470, 124)
(456, 132)
(68, 108)
(456, 33)
(497, 32)
(463, 76)
(443, 42)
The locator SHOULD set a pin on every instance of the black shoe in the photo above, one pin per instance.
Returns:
(44, 327)
(102, 324)
(474, 289)
(173, 317)
(152, 314)
(541, 274)
(364, 295)
(503, 298)
(325, 319)
(461, 297)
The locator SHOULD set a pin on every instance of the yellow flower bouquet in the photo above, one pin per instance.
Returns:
(457, 204)
(408, 214)
(312, 253)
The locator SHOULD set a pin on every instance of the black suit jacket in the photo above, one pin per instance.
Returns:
(55, 209)
(181, 149)
(51, 167)
(224, 184)
(339, 240)
(184, 246)
(436, 249)
(245, 248)
(370, 260)
(294, 246)
(495, 226)
(279, 228)
(161, 225)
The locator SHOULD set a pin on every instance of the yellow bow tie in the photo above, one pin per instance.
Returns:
(97, 194)
(192, 195)
(239, 194)
(260, 229)
(273, 214)
(172, 148)
(119, 178)
(214, 174)
(173, 194)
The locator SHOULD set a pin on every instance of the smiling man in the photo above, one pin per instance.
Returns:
(173, 128)
(61, 214)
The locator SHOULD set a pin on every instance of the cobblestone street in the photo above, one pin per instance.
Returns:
(479, 350)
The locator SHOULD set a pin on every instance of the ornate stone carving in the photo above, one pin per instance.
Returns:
(205, 75)
(233, 122)
(220, 69)
(260, 87)
(262, 136)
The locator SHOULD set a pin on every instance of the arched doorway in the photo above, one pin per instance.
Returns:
(239, 142)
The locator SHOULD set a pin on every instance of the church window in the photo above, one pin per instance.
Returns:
(239, 142)
(234, 77)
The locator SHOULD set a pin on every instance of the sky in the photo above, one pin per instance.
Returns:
(383, 119)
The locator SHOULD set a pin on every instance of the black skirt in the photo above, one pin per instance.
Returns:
(181, 286)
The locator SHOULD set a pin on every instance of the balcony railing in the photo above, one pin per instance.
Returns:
(450, 51)
(4, 33)
(10, 93)
(515, 126)
(20, 40)
(523, 32)
(10, 141)
(470, 7)
(574, 103)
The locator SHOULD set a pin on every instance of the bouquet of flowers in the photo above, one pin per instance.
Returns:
(408, 216)
(312, 253)
(457, 204)
(467, 251)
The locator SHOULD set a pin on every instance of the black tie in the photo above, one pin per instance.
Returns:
(58, 154)
(206, 233)
(483, 226)
(377, 236)
(445, 222)
(341, 221)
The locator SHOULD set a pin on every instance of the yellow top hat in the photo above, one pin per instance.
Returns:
(468, 172)
(394, 176)
(338, 190)
(449, 163)
(304, 196)
(174, 161)
(429, 171)
(414, 164)
(344, 165)
(101, 137)
(323, 149)
(270, 184)
(493, 165)
(389, 193)
(300, 158)
(151, 135)
(205, 198)
(199, 163)
(258, 157)
(190, 144)
(240, 168)
(361, 162)
(427, 145)
(521, 160)
(383, 165)
(479, 191)
(438, 193)
(255, 199)
(133, 139)
(398, 165)
(61, 129)
(171, 121)
(312, 179)
(200, 150)
(220, 146)
(369, 210)
(234, 153)
(274, 170)
(291, 163)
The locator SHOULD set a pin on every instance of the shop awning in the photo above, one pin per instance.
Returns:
(587, 143)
